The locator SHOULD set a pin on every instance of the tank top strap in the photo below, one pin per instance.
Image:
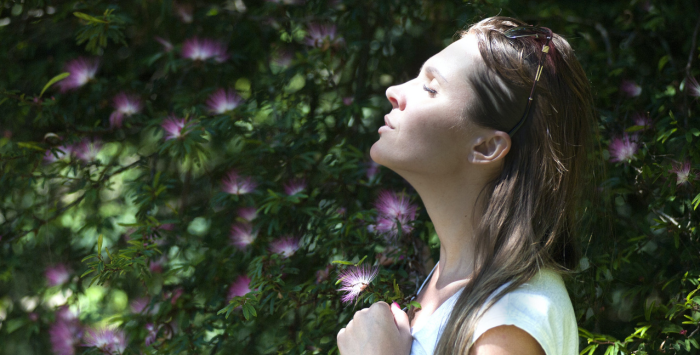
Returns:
(424, 281)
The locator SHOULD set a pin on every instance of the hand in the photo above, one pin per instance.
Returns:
(379, 329)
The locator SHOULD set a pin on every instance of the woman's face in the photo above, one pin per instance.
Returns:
(425, 132)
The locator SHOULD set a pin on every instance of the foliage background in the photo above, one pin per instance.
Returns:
(310, 113)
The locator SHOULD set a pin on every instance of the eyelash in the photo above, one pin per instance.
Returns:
(431, 91)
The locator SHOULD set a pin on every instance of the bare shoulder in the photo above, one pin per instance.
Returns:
(506, 340)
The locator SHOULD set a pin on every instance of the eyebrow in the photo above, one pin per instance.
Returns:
(434, 72)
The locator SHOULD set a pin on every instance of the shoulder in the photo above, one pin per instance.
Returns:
(540, 308)
(506, 340)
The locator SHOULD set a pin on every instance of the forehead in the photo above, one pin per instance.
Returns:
(457, 60)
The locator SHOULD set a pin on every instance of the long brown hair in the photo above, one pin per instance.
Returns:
(530, 209)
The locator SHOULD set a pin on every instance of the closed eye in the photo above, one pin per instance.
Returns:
(431, 91)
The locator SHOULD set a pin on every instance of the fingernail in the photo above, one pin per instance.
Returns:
(396, 305)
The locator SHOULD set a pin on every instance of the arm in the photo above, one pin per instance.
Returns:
(506, 340)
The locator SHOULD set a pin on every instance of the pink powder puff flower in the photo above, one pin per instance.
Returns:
(174, 127)
(322, 36)
(57, 274)
(203, 49)
(286, 246)
(393, 205)
(347, 101)
(372, 170)
(175, 295)
(294, 186)
(152, 332)
(167, 46)
(623, 149)
(248, 213)
(641, 119)
(87, 150)
(222, 101)
(108, 341)
(355, 279)
(142, 304)
(322, 275)
(81, 70)
(62, 152)
(242, 235)
(184, 12)
(65, 332)
(683, 174)
(240, 287)
(235, 184)
(125, 105)
(394, 210)
(282, 57)
(693, 87)
(630, 88)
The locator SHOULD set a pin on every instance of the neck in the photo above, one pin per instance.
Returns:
(450, 201)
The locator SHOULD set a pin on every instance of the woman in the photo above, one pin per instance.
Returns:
(497, 158)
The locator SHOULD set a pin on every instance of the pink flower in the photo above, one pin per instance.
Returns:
(222, 101)
(322, 275)
(57, 274)
(87, 150)
(174, 127)
(184, 12)
(140, 305)
(175, 295)
(355, 279)
(693, 87)
(248, 213)
(65, 332)
(125, 105)
(203, 49)
(152, 332)
(294, 186)
(622, 149)
(683, 174)
(684, 332)
(81, 70)
(347, 101)
(240, 287)
(282, 57)
(62, 152)
(630, 88)
(394, 210)
(322, 36)
(372, 170)
(167, 46)
(641, 119)
(108, 341)
(286, 246)
(238, 185)
(242, 235)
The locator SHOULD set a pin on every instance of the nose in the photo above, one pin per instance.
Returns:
(395, 95)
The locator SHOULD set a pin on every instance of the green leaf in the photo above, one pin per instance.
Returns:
(54, 80)
(342, 262)
(88, 18)
(663, 61)
(696, 201)
(99, 245)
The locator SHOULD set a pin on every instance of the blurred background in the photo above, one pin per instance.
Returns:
(199, 178)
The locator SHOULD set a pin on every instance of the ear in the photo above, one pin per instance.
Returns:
(490, 148)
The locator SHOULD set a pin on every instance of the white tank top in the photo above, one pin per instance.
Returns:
(541, 307)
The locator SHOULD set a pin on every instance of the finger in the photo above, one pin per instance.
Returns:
(401, 319)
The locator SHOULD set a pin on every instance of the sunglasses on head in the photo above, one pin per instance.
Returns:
(537, 32)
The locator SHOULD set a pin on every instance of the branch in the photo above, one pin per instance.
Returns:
(693, 42)
(58, 213)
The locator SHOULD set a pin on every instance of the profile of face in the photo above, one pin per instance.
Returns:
(426, 131)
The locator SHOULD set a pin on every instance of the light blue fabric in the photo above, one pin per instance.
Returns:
(541, 307)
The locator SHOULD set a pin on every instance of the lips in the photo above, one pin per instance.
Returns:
(387, 122)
